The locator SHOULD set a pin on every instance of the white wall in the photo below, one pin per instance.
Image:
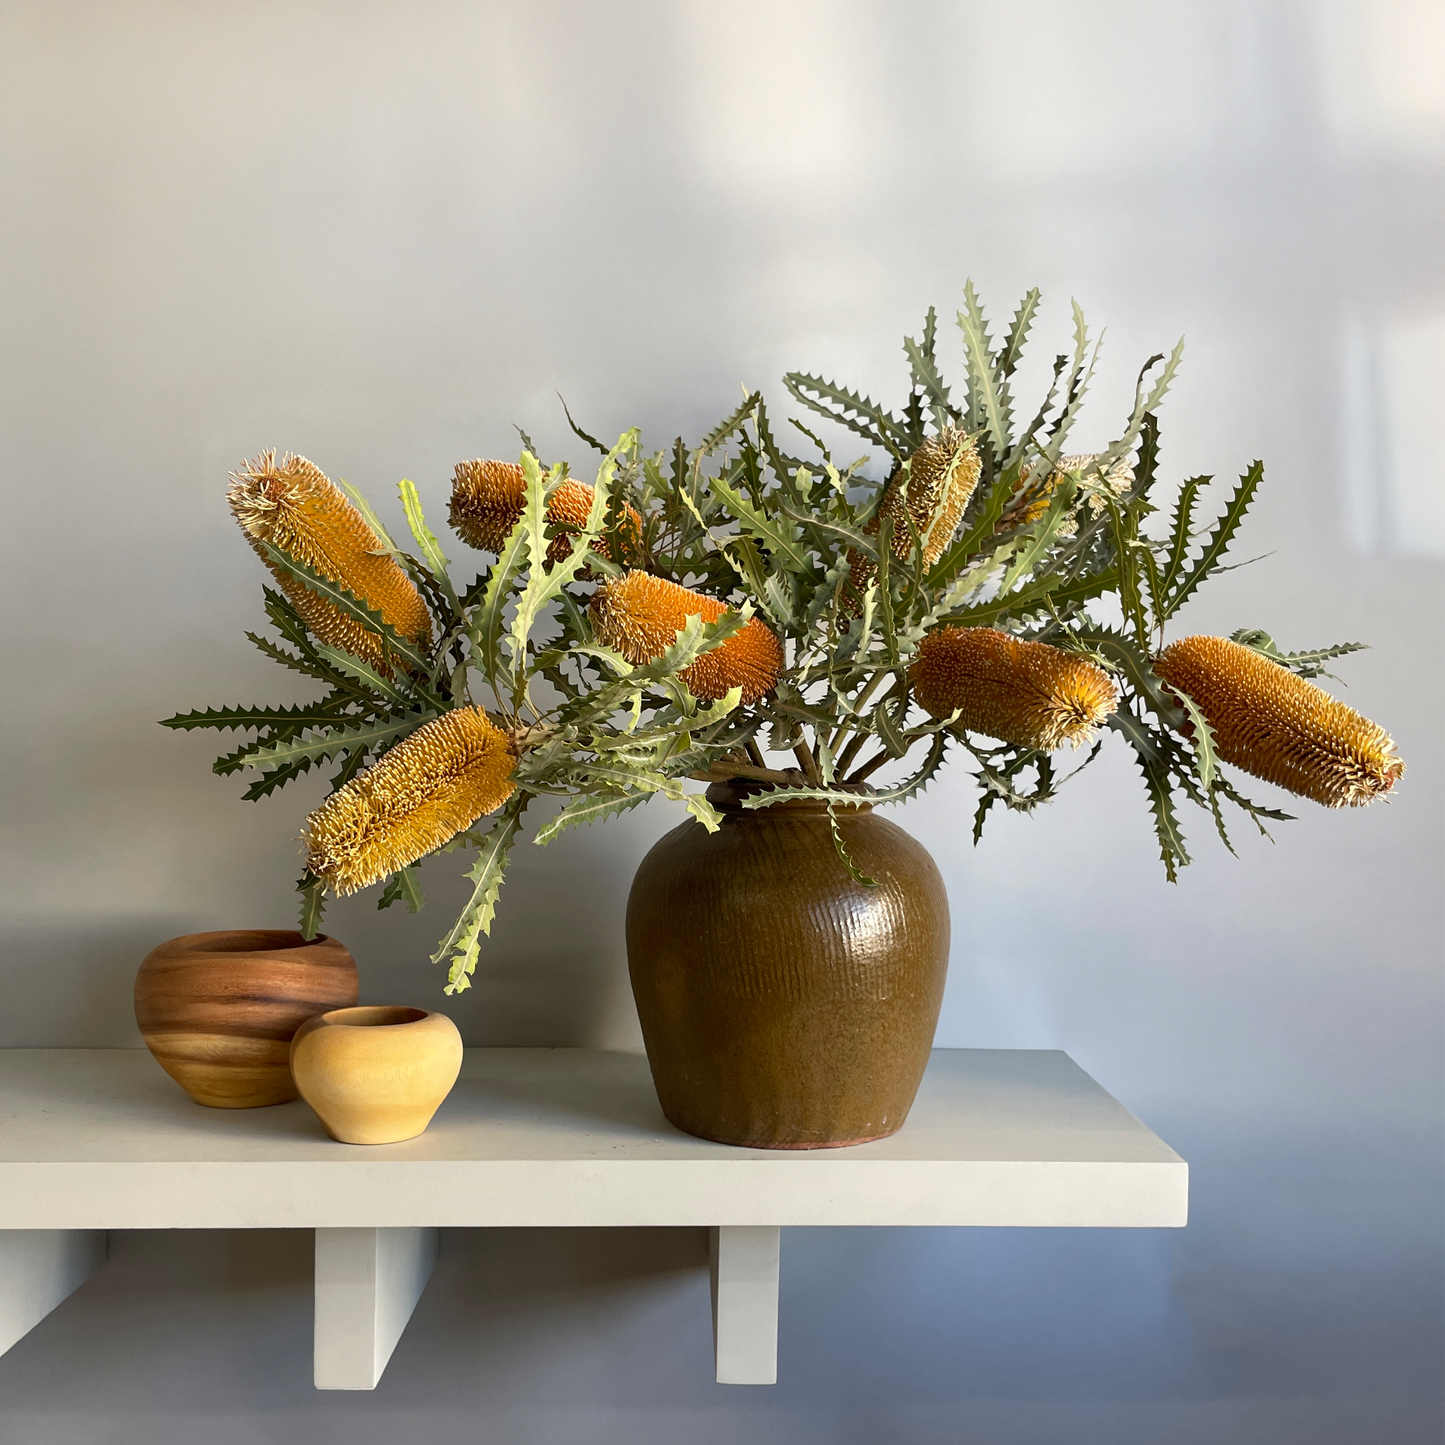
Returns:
(384, 233)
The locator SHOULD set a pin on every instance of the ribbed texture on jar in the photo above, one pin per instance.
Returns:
(1025, 693)
(1279, 726)
(295, 507)
(640, 616)
(447, 774)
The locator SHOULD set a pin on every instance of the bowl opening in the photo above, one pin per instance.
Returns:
(253, 940)
(374, 1016)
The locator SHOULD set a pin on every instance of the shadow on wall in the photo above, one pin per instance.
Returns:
(76, 981)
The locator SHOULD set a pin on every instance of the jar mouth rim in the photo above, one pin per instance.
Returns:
(246, 940)
(374, 1016)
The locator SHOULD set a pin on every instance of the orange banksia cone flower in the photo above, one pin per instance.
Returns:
(571, 504)
(1279, 727)
(488, 498)
(295, 507)
(421, 794)
(1025, 693)
(640, 616)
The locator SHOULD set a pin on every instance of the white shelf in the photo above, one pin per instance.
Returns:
(101, 1139)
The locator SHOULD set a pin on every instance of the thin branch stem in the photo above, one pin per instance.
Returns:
(858, 704)
(756, 754)
(808, 762)
(871, 766)
(854, 747)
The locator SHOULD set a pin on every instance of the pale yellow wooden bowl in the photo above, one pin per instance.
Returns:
(376, 1075)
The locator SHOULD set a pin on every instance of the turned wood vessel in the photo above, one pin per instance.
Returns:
(217, 1010)
(376, 1075)
(783, 1005)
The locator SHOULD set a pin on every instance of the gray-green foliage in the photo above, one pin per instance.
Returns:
(780, 536)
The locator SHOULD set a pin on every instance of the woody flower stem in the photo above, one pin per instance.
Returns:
(855, 745)
(858, 703)
(870, 767)
(808, 762)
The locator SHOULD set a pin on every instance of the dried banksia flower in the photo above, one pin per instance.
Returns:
(1118, 479)
(942, 474)
(295, 507)
(421, 794)
(1025, 693)
(1279, 727)
(640, 616)
(488, 498)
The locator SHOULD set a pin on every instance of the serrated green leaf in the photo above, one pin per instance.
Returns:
(347, 603)
(269, 783)
(924, 366)
(364, 673)
(313, 904)
(1305, 663)
(1180, 536)
(858, 413)
(426, 539)
(1013, 345)
(777, 538)
(841, 848)
(327, 745)
(588, 809)
(1201, 738)
(1172, 851)
(990, 396)
(729, 424)
(462, 942)
(704, 812)
(403, 886)
(252, 718)
(1218, 541)
(1134, 664)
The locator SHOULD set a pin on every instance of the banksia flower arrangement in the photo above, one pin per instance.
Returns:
(736, 611)
(1025, 693)
(293, 509)
(640, 616)
(1273, 724)
(424, 791)
(487, 501)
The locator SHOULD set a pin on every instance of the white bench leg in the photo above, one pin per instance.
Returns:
(367, 1284)
(744, 1262)
(38, 1269)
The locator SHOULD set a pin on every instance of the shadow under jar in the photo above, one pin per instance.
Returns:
(783, 1004)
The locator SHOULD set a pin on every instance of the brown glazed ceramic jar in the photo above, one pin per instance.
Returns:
(218, 1009)
(783, 1005)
